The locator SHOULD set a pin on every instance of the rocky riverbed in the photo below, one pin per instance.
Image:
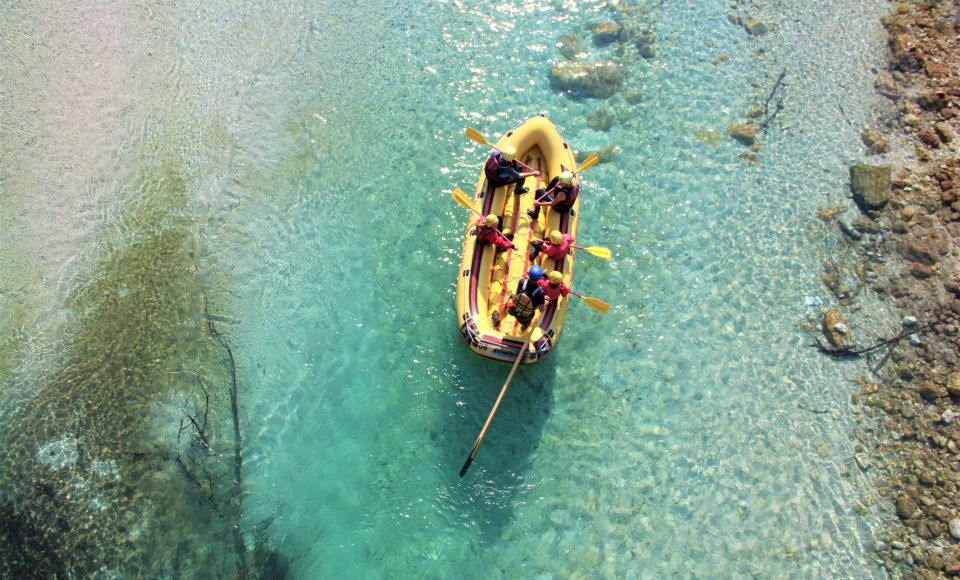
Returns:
(906, 237)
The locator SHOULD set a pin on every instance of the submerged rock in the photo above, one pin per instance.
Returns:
(870, 185)
(596, 79)
(601, 119)
(945, 132)
(745, 133)
(569, 46)
(929, 391)
(906, 507)
(755, 27)
(876, 143)
(644, 44)
(955, 528)
(633, 96)
(835, 328)
(865, 225)
(604, 32)
(953, 384)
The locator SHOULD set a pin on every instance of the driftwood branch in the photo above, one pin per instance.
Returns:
(238, 540)
(851, 352)
(844, 113)
(816, 411)
(224, 496)
(777, 88)
(200, 430)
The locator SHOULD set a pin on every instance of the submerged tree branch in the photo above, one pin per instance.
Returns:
(767, 115)
(226, 499)
(851, 352)
(239, 543)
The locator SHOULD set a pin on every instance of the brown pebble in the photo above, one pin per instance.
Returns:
(929, 391)
(944, 131)
(906, 507)
(920, 270)
(930, 138)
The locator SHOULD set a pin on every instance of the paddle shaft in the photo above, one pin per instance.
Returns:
(535, 172)
(516, 364)
(536, 200)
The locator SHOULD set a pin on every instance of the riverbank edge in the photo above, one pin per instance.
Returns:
(915, 226)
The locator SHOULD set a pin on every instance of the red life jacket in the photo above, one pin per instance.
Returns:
(558, 251)
(553, 292)
(491, 235)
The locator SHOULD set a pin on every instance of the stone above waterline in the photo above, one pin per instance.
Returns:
(870, 185)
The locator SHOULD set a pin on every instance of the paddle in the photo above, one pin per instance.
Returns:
(461, 198)
(589, 162)
(477, 137)
(595, 303)
(598, 251)
(516, 363)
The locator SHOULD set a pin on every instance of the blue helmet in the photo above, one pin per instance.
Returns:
(536, 272)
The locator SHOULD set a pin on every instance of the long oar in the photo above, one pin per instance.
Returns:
(598, 251)
(516, 363)
(595, 303)
(477, 137)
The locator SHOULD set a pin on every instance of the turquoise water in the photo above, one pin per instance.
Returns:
(306, 155)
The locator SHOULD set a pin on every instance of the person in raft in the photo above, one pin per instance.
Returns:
(553, 287)
(560, 194)
(557, 246)
(488, 232)
(502, 168)
(528, 298)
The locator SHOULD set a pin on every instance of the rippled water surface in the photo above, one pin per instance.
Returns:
(203, 195)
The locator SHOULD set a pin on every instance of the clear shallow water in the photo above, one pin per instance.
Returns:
(317, 147)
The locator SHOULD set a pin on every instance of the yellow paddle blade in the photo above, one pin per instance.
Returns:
(477, 137)
(589, 162)
(461, 198)
(595, 303)
(599, 251)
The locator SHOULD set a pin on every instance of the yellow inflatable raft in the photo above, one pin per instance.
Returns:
(488, 278)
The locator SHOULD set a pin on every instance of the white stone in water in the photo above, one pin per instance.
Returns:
(955, 528)
(948, 416)
(915, 339)
(909, 321)
(840, 327)
(59, 454)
